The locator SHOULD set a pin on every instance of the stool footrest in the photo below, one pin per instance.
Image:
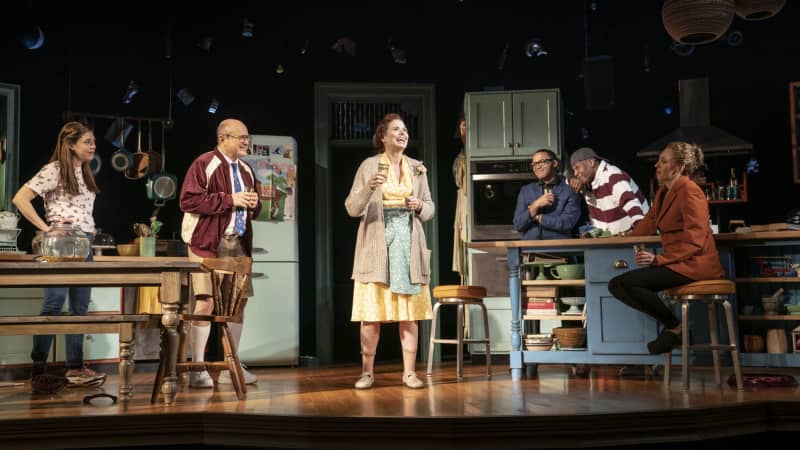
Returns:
(709, 347)
(464, 341)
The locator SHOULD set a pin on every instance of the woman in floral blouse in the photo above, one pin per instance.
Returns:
(67, 186)
(391, 268)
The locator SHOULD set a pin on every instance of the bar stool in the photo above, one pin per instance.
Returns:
(710, 292)
(460, 296)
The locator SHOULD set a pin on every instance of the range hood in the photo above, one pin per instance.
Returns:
(696, 126)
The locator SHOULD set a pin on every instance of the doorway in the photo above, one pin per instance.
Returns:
(346, 115)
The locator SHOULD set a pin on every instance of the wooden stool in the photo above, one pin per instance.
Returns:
(460, 296)
(710, 292)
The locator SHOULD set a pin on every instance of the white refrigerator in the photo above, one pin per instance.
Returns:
(270, 335)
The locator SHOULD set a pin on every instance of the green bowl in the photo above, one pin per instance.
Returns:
(793, 308)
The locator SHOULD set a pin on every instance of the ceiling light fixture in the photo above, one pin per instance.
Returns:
(758, 9)
(185, 96)
(213, 106)
(247, 28)
(534, 48)
(697, 21)
(501, 60)
(131, 92)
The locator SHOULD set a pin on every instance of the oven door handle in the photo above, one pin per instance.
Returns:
(502, 176)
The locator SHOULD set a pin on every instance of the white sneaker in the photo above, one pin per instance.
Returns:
(201, 380)
(249, 377)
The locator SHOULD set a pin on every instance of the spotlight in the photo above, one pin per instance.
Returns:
(279, 69)
(33, 38)
(247, 28)
(345, 45)
(667, 110)
(185, 96)
(213, 106)
(133, 89)
(534, 48)
(734, 38)
(306, 46)
(585, 133)
(205, 43)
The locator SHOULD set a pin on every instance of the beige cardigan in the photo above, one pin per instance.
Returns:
(371, 260)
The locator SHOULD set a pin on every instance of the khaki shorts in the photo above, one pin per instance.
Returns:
(201, 281)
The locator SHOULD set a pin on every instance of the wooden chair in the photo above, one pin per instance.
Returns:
(230, 277)
(710, 292)
(460, 296)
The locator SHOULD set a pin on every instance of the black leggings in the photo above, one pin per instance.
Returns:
(639, 289)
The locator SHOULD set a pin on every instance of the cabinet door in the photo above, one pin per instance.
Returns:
(614, 327)
(489, 125)
(270, 334)
(536, 122)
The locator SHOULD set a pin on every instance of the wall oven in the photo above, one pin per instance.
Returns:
(495, 186)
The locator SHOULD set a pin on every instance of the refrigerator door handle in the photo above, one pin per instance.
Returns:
(258, 275)
(260, 250)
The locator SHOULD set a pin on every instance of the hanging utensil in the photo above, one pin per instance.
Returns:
(140, 163)
(162, 186)
(96, 163)
(153, 156)
(121, 159)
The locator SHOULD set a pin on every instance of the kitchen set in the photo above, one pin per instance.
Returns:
(503, 131)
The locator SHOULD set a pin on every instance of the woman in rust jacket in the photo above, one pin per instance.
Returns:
(680, 214)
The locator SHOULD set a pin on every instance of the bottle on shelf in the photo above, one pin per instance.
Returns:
(733, 186)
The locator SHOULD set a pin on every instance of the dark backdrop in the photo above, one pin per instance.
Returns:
(91, 53)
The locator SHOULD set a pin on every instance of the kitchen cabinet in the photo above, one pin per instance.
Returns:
(512, 123)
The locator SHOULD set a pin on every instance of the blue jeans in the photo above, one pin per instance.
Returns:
(54, 298)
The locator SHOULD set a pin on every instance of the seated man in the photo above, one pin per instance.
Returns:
(547, 208)
(612, 197)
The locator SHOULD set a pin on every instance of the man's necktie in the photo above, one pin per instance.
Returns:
(237, 187)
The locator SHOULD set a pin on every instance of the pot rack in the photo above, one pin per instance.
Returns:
(166, 122)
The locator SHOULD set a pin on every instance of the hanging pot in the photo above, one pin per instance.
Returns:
(162, 186)
(96, 163)
(140, 163)
(118, 132)
(121, 159)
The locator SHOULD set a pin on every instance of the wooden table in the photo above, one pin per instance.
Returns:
(114, 271)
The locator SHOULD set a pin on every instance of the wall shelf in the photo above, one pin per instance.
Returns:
(562, 317)
(768, 280)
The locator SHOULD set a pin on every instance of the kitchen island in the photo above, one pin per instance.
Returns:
(617, 334)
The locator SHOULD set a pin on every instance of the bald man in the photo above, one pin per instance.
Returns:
(218, 198)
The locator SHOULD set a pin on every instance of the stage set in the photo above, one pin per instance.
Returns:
(312, 407)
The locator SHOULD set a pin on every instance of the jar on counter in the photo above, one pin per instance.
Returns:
(65, 242)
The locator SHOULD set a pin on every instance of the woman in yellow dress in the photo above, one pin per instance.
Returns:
(391, 267)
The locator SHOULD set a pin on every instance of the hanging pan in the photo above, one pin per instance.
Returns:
(121, 159)
(153, 157)
(96, 163)
(162, 186)
(140, 163)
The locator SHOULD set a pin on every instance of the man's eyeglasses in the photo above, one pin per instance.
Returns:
(541, 163)
(242, 138)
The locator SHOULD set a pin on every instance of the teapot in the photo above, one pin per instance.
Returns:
(65, 242)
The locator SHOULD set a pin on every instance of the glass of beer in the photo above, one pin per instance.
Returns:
(383, 169)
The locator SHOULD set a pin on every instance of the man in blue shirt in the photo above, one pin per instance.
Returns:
(547, 208)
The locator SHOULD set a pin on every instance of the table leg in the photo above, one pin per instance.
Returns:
(170, 299)
(126, 362)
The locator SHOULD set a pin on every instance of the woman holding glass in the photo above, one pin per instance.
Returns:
(391, 268)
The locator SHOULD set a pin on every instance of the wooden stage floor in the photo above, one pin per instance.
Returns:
(318, 408)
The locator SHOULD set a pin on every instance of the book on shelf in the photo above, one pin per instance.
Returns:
(546, 258)
(540, 291)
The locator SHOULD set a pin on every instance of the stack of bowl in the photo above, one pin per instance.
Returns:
(538, 342)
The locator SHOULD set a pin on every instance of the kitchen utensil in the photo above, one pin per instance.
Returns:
(96, 163)
(140, 160)
(121, 159)
(65, 242)
(8, 220)
(162, 186)
(574, 303)
(568, 272)
(776, 340)
(153, 157)
(128, 249)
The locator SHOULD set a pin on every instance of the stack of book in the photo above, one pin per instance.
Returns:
(539, 300)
